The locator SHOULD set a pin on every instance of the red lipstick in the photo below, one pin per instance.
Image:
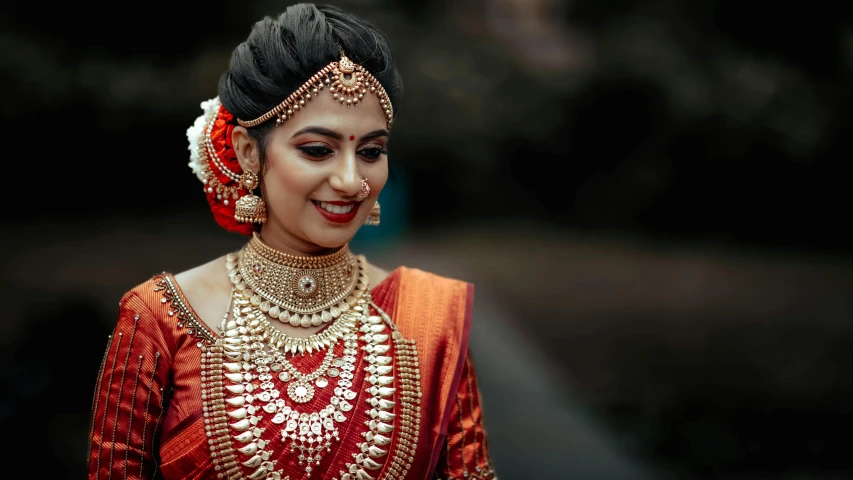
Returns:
(338, 217)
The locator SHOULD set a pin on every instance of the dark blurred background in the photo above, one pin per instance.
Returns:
(649, 197)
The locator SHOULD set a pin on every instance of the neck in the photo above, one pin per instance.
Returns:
(275, 237)
(257, 245)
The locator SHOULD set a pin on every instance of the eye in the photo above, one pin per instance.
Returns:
(372, 153)
(316, 151)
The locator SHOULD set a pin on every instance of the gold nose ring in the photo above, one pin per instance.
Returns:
(365, 188)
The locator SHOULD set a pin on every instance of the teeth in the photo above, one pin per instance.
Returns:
(336, 208)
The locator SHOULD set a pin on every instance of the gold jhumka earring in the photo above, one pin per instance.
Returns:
(373, 218)
(250, 208)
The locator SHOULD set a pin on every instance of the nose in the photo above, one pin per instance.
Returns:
(345, 178)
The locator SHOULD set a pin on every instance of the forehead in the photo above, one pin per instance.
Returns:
(325, 111)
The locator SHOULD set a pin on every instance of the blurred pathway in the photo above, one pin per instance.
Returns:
(534, 432)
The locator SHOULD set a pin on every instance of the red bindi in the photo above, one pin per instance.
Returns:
(352, 137)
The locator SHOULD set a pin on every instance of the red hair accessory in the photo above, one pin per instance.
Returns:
(213, 160)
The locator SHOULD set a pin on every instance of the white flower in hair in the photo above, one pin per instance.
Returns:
(196, 132)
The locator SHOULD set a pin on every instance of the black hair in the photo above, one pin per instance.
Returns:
(283, 53)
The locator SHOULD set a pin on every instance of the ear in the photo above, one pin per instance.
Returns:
(246, 149)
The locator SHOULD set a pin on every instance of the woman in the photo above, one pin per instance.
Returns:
(292, 357)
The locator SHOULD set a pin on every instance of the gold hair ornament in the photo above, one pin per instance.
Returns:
(347, 82)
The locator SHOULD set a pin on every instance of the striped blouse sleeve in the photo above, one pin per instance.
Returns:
(129, 400)
(466, 451)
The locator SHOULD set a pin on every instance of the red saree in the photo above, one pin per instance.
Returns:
(148, 420)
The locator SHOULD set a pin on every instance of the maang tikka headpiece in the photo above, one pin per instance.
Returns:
(347, 82)
(212, 157)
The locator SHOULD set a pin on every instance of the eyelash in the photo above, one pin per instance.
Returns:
(320, 151)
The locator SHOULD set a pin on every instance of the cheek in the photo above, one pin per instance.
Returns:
(376, 173)
(288, 178)
(379, 175)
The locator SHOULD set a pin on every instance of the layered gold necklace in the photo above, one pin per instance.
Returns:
(301, 291)
(254, 354)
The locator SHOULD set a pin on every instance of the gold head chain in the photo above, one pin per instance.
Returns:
(347, 82)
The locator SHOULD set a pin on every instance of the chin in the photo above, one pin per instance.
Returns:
(331, 237)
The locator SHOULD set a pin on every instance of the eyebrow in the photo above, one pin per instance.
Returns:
(337, 136)
(374, 134)
(319, 131)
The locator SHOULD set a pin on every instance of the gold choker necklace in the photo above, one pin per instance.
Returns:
(301, 291)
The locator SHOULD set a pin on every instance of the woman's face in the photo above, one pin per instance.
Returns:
(315, 162)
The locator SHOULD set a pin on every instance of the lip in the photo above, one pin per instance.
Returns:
(338, 217)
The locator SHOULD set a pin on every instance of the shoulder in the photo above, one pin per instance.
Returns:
(145, 295)
(434, 310)
(409, 275)
(152, 292)
(427, 279)
(430, 298)
(204, 279)
(376, 275)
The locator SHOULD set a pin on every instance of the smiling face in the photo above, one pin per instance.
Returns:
(315, 162)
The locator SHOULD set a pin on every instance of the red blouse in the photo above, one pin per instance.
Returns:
(147, 408)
